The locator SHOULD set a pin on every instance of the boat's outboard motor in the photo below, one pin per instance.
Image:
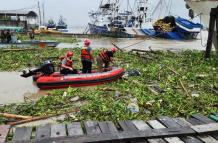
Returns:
(31, 72)
(46, 68)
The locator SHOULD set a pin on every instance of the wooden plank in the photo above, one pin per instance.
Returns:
(142, 126)
(194, 121)
(207, 139)
(4, 130)
(183, 123)
(92, 127)
(125, 136)
(206, 128)
(204, 138)
(170, 123)
(22, 134)
(58, 130)
(157, 125)
(43, 132)
(75, 129)
(207, 121)
(107, 127)
(203, 118)
(127, 126)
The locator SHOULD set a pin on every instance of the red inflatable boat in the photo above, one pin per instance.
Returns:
(56, 80)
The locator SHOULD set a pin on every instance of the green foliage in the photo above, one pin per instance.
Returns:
(62, 39)
(164, 68)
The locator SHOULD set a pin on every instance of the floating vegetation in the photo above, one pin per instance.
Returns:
(171, 84)
(58, 38)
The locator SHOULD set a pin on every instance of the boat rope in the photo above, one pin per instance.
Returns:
(154, 36)
(156, 7)
(167, 11)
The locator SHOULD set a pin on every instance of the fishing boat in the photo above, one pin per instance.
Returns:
(46, 77)
(163, 25)
(139, 22)
(174, 28)
(61, 26)
(51, 24)
(107, 20)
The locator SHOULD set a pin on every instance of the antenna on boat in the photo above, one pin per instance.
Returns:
(43, 12)
(127, 5)
(40, 18)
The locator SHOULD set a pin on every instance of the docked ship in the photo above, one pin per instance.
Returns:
(61, 26)
(110, 21)
(51, 24)
(202, 8)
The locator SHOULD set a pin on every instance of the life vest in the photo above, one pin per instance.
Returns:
(69, 62)
(104, 56)
(85, 55)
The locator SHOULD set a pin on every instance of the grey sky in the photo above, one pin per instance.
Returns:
(74, 11)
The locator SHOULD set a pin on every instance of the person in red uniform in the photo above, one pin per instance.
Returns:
(104, 58)
(87, 57)
(67, 64)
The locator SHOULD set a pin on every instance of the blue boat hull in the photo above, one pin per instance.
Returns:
(184, 30)
(103, 30)
(174, 35)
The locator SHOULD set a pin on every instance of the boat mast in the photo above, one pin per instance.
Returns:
(43, 13)
(127, 8)
(40, 18)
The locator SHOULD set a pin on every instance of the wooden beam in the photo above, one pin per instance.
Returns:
(130, 136)
(213, 15)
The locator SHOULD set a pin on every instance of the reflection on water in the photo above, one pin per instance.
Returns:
(13, 87)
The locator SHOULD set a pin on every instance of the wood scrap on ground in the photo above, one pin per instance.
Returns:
(7, 115)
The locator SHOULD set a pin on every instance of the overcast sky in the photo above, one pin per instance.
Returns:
(74, 11)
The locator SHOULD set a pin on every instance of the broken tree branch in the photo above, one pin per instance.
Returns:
(183, 87)
(7, 115)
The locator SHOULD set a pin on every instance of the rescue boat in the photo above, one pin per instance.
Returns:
(57, 80)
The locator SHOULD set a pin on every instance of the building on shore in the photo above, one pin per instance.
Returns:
(16, 20)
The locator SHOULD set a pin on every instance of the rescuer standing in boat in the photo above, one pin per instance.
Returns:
(87, 57)
(104, 58)
(67, 64)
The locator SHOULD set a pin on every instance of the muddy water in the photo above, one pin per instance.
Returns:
(13, 87)
(144, 44)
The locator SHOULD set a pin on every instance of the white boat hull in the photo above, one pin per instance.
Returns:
(203, 7)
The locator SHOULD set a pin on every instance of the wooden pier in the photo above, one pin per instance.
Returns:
(197, 129)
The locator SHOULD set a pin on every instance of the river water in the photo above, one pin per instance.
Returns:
(14, 88)
(144, 44)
